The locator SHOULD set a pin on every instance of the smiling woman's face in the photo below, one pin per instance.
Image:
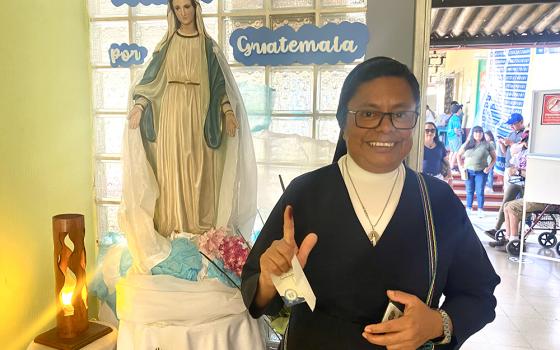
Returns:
(382, 149)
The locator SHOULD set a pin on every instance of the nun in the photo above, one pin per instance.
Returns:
(368, 231)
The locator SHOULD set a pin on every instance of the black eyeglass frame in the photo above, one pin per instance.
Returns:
(430, 131)
(383, 115)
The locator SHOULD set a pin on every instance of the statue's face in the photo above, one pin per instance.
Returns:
(185, 12)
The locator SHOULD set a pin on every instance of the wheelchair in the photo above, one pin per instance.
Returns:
(546, 220)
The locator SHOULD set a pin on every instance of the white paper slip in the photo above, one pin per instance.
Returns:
(294, 287)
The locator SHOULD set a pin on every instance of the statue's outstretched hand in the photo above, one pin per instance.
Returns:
(134, 117)
(231, 123)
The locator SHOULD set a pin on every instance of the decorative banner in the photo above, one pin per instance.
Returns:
(551, 110)
(547, 50)
(507, 73)
(126, 55)
(309, 45)
(133, 3)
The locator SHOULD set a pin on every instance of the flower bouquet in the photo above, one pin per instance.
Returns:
(227, 252)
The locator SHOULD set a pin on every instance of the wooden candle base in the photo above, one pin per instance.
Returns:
(94, 332)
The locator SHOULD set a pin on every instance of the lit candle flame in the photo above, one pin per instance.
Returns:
(66, 300)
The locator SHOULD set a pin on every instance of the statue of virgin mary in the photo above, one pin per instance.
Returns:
(190, 165)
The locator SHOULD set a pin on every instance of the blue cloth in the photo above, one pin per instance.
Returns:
(183, 262)
(218, 272)
(475, 183)
(97, 285)
(433, 159)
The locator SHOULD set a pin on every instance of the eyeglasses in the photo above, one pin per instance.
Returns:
(372, 119)
(430, 131)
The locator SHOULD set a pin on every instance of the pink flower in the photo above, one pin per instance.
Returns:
(234, 253)
(210, 241)
(231, 249)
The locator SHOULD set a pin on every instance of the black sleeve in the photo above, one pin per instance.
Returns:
(272, 230)
(469, 290)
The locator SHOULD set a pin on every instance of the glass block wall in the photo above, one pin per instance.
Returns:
(295, 135)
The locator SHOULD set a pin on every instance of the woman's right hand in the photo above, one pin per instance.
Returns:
(134, 117)
(277, 259)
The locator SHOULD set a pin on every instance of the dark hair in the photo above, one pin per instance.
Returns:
(436, 135)
(471, 143)
(177, 22)
(372, 69)
(489, 133)
(447, 109)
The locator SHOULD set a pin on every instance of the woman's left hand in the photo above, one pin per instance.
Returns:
(231, 123)
(486, 170)
(418, 325)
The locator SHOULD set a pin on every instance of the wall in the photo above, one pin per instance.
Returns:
(463, 64)
(45, 142)
(395, 17)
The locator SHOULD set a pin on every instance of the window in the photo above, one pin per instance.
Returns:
(302, 118)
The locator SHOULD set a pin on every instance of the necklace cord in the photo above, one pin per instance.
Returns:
(374, 235)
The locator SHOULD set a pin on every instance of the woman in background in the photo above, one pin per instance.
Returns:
(476, 152)
(435, 161)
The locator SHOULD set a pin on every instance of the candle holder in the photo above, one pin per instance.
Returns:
(73, 330)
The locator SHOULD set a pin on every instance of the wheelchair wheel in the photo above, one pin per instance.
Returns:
(513, 247)
(558, 249)
(547, 239)
(500, 235)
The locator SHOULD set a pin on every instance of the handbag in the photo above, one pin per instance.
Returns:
(445, 169)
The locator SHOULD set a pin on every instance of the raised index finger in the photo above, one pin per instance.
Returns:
(289, 225)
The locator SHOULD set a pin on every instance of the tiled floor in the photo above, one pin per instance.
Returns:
(528, 312)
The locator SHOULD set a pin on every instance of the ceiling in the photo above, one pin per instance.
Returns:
(478, 23)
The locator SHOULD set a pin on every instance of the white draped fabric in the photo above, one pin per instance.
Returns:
(170, 313)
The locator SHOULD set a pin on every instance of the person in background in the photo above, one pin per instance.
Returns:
(435, 161)
(430, 115)
(454, 133)
(476, 152)
(513, 211)
(514, 190)
(367, 229)
(489, 137)
(443, 119)
(517, 126)
(511, 190)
